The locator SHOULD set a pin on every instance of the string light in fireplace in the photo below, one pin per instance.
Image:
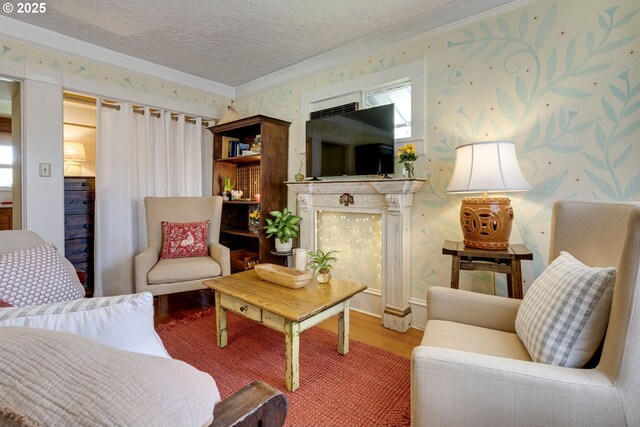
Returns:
(358, 237)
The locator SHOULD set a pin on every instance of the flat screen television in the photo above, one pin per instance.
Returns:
(357, 143)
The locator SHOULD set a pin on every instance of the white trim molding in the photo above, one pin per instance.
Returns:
(50, 40)
(369, 302)
(431, 24)
(394, 199)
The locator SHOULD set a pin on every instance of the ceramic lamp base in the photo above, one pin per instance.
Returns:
(486, 222)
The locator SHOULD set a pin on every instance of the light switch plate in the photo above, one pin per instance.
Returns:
(45, 169)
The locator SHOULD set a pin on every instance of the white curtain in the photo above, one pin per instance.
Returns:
(138, 155)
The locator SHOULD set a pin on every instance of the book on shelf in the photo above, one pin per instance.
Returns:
(239, 148)
(233, 147)
(227, 147)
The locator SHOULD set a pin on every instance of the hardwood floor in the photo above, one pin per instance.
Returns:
(363, 327)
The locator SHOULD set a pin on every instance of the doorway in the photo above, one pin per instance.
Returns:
(10, 155)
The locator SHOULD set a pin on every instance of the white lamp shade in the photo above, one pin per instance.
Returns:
(487, 166)
(74, 151)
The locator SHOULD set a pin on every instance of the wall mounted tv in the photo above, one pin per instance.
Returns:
(357, 143)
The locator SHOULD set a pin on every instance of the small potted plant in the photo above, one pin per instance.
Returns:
(227, 187)
(284, 227)
(320, 262)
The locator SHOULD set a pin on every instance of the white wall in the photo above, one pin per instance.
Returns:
(40, 111)
(43, 197)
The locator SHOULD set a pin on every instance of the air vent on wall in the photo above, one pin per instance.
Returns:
(335, 111)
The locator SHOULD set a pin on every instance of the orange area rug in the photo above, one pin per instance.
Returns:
(366, 387)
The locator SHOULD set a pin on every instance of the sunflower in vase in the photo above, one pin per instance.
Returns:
(254, 221)
(407, 155)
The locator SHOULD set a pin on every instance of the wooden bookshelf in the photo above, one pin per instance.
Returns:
(263, 173)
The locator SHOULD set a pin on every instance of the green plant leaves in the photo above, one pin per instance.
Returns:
(284, 226)
(504, 27)
(546, 188)
(602, 185)
(552, 62)
(521, 90)
(523, 24)
(570, 92)
(588, 42)
(319, 260)
(533, 135)
(592, 69)
(632, 109)
(570, 55)
(507, 105)
(608, 109)
(625, 18)
(628, 131)
(546, 25)
(616, 44)
(633, 188)
(596, 162)
(622, 157)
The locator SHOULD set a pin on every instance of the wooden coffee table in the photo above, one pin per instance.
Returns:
(286, 310)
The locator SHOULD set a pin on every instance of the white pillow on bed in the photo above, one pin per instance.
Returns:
(62, 379)
(124, 322)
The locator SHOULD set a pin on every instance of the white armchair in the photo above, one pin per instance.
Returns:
(472, 369)
(165, 276)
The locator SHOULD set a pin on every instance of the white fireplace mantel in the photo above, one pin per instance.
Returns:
(393, 198)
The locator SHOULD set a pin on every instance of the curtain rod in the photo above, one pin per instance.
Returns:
(73, 97)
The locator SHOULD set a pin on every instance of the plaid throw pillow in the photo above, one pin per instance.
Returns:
(563, 317)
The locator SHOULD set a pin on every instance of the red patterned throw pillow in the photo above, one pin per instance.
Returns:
(181, 240)
(4, 303)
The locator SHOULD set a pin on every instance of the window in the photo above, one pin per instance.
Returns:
(6, 165)
(400, 96)
(404, 85)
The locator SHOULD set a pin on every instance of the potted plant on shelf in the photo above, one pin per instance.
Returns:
(227, 187)
(320, 262)
(284, 227)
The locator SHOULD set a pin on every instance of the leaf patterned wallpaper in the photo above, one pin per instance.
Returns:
(136, 86)
(560, 78)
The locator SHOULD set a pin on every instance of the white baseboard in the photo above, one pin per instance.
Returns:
(370, 302)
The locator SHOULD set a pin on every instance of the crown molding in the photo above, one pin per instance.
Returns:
(42, 38)
(461, 14)
(431, 24)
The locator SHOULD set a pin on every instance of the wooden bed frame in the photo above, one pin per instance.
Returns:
(255, 405)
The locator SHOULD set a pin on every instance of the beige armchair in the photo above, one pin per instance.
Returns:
(165, 276)
(472, 369)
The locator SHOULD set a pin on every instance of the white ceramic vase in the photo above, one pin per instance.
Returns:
(300, 258)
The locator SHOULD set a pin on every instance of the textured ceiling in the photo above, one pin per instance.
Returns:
(235, 41)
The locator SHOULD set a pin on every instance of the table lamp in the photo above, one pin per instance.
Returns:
(73, 153)
(482, 167)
